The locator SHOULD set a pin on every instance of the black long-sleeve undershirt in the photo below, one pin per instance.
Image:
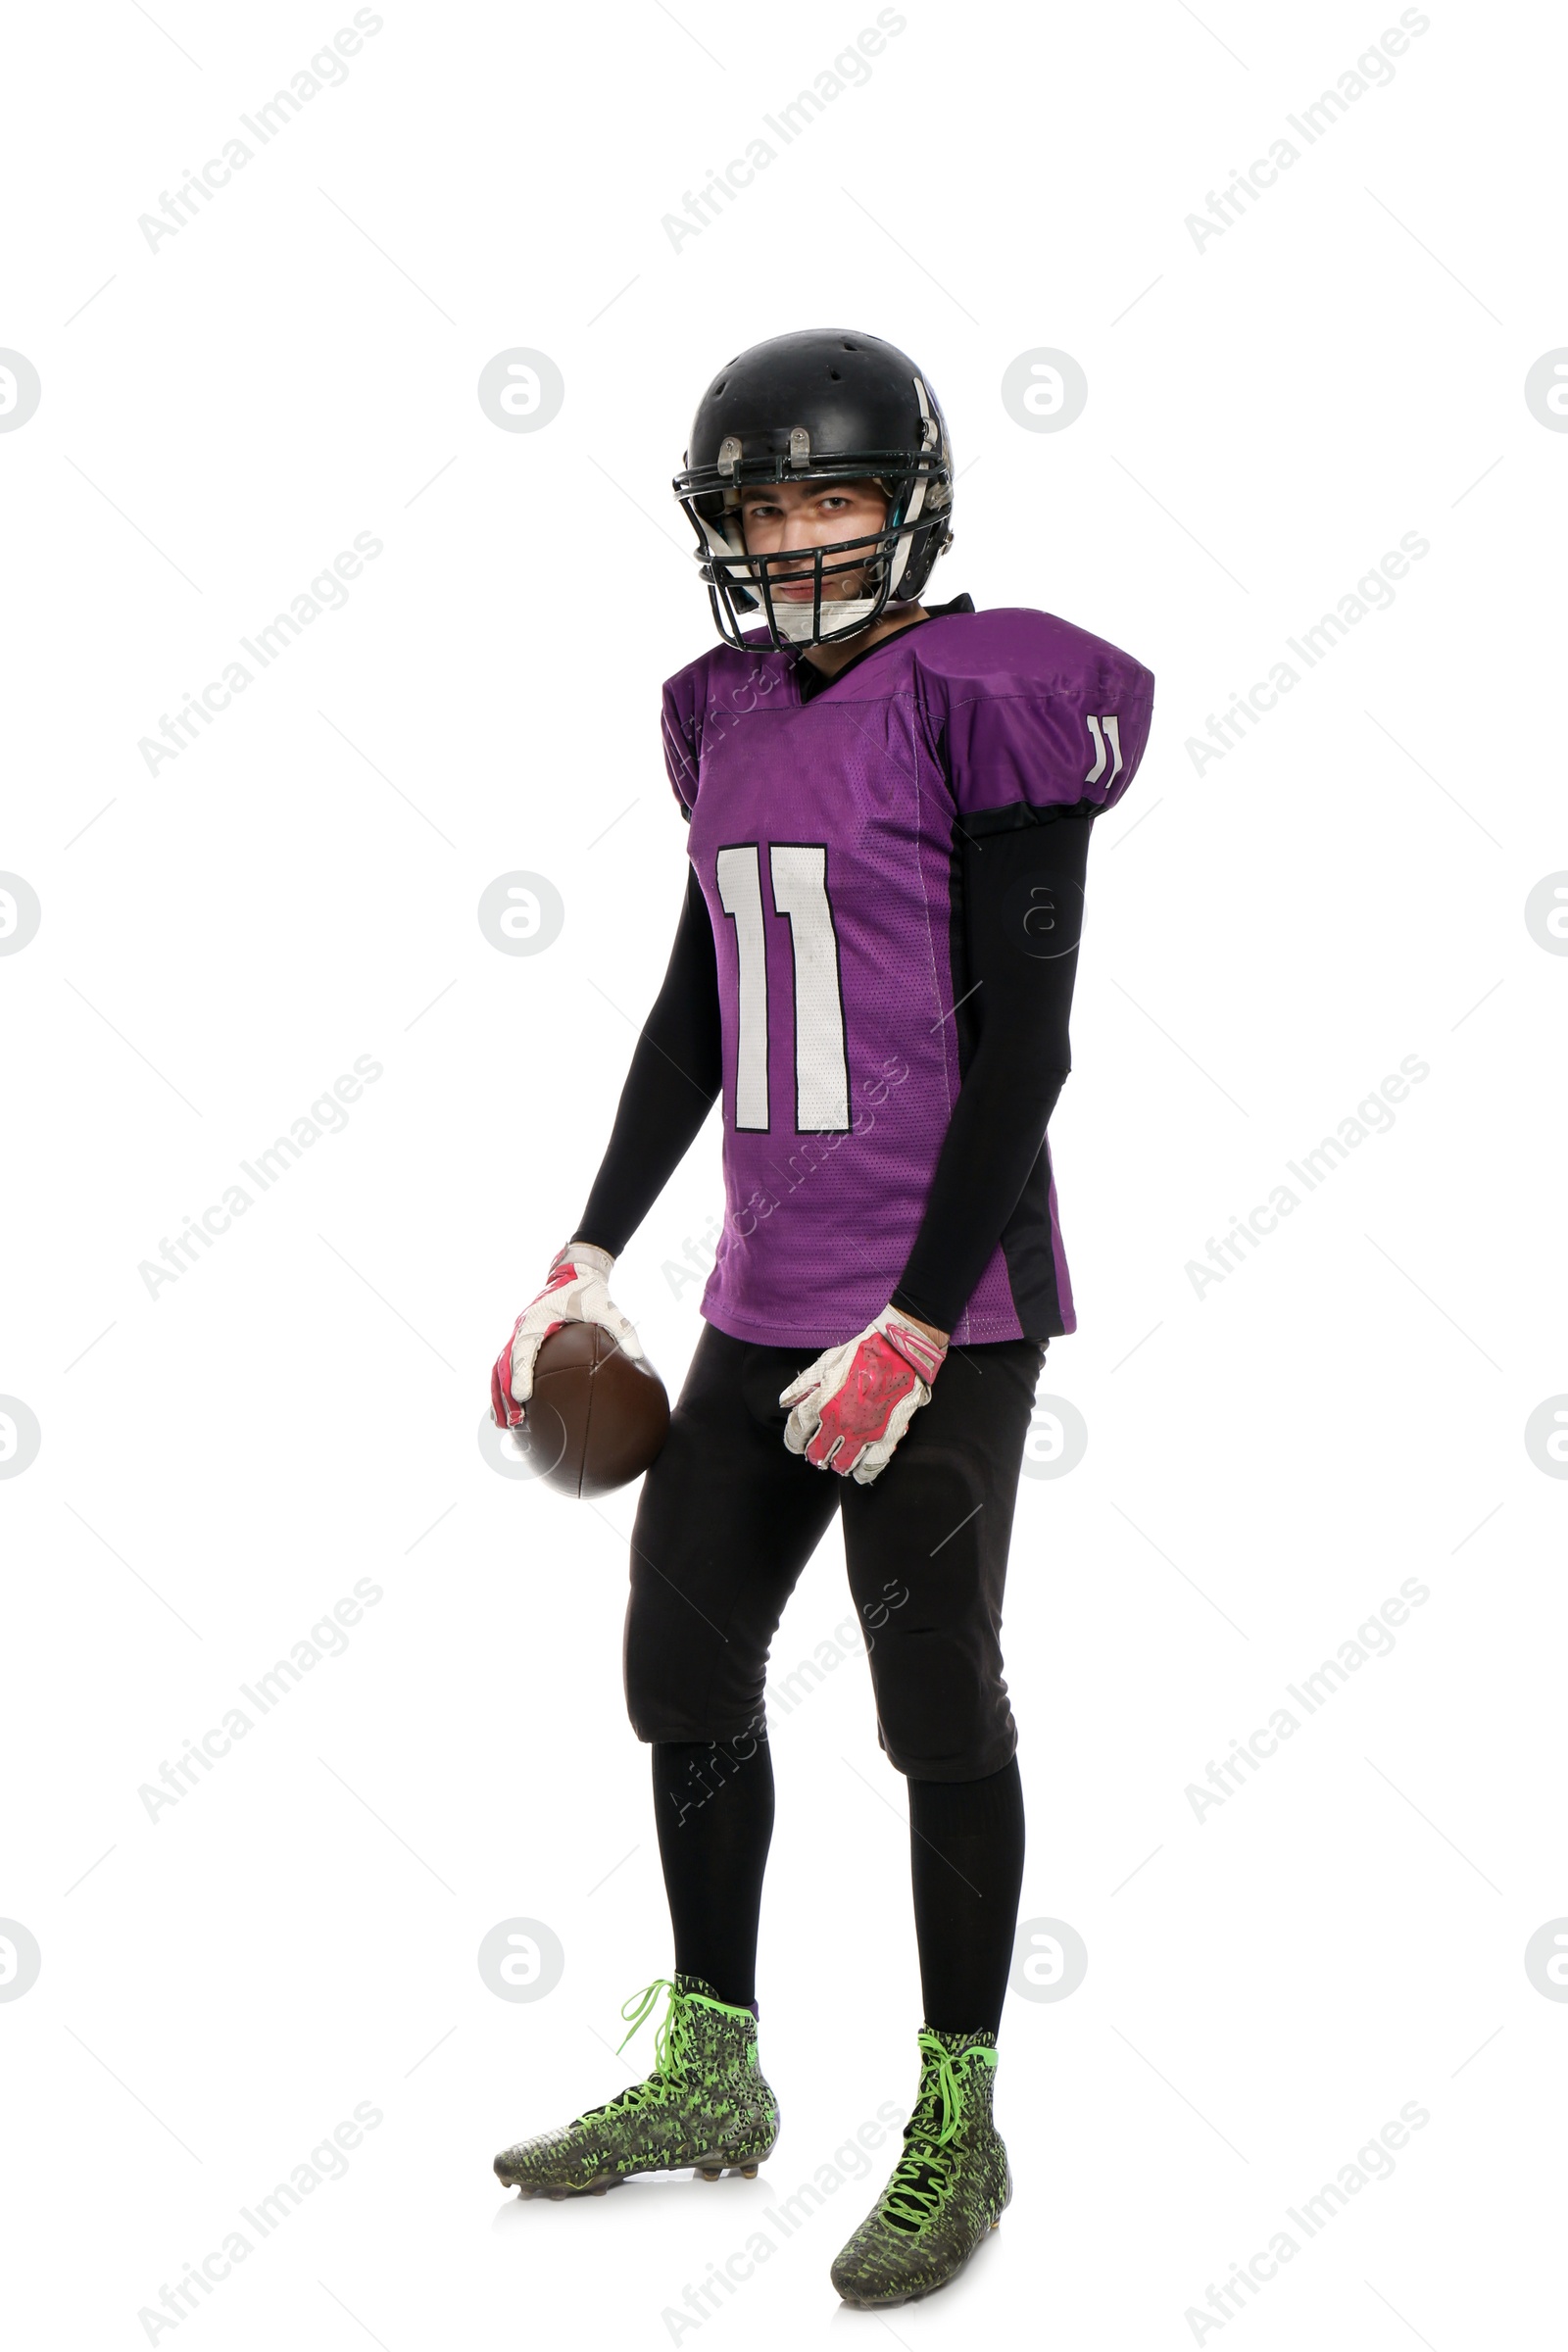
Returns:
(1022, 909)
(674, 1079)
(1021, 877)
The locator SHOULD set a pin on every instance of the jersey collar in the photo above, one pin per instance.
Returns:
(810, 681)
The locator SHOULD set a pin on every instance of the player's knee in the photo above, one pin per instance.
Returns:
(950, 1742)
(659, 1702)
(678, 1692)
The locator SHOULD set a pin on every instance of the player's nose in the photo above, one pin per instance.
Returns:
(795, 537)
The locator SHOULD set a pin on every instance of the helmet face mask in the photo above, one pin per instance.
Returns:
(848, 578)
(818, 408)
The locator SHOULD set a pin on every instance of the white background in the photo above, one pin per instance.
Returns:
(1266, 938)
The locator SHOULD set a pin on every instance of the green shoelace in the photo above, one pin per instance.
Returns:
(637, 2006)
(920, 2175)
(669, 2049)
(671, 2039)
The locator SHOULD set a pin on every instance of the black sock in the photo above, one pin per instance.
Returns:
(713, 1800)
(966, 1862)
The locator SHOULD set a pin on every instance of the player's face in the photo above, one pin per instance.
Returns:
(778, 516)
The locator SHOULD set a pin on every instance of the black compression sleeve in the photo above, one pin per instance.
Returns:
(1022, 906)
(674, 1079)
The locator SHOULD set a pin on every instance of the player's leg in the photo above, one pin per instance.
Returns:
(713, 1806)
(966, 1849)
(927, 1550)
(727, 1520)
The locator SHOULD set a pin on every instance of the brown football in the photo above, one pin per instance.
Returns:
(596, 1419)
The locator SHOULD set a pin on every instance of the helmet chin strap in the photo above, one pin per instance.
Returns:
(795, 620)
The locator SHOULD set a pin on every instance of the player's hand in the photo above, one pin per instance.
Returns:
(852, 1405)
(575, 1292)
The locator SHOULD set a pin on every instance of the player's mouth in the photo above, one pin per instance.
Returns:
(793, 589)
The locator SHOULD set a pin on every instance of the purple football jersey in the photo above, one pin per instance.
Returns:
(824, 836)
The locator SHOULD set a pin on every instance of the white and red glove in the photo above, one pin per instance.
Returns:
(574, 1293)
(852, 1405)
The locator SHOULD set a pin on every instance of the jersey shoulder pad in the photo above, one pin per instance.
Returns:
(1032, 712)
(710, 694)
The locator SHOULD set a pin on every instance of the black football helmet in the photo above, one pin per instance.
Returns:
(826, 404)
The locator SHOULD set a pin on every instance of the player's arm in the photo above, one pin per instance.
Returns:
(1022, 905)
(674, 1079)
(1022, 901)
(675, 1075)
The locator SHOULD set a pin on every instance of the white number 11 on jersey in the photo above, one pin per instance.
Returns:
(798, 875)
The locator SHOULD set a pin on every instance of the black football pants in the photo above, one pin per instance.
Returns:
(728, 1518)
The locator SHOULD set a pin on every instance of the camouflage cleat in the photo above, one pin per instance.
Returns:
(706, 2104)
(949, 2188)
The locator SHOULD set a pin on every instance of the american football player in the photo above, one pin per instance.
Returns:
(889, 806)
